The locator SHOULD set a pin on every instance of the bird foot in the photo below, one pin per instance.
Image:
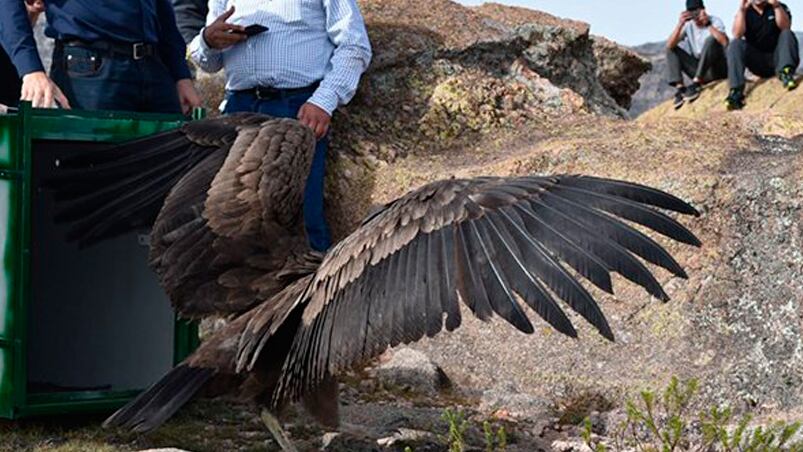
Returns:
(276, 430)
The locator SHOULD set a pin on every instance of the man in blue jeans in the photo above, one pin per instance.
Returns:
(306, 62)
(110, 55)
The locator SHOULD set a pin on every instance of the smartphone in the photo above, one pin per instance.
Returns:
(255, 29)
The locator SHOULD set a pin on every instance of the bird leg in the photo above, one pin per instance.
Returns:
(276, 430)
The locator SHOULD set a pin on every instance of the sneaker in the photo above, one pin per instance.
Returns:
(680, 98)
(787, 77)
(693, 92)
(735, 100)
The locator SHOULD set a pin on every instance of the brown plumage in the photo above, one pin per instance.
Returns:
(229, 240)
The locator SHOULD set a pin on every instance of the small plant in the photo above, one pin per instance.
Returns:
(773, 438)
(596, 447)
(660, 423)
(494, 440)
(458, 425)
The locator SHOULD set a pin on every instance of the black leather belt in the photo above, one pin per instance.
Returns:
(136, 50)
(267, 92)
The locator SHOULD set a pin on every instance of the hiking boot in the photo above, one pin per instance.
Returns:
(787, 77)
(693, 92)
(680, 98)
(735, 100)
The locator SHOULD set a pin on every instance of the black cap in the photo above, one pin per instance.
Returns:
(692, 5)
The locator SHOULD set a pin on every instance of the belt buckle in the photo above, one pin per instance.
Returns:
(139, 50)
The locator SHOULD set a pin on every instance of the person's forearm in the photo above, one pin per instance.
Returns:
(171, 45)
(340, 84)
(782, 18)
(206, 58)
(739, 25)
(721, 37)
(16, 36)
(674, 38)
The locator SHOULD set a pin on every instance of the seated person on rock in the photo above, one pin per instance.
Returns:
(763, 42)
(696, 48)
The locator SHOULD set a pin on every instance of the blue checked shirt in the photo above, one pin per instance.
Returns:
(307, 41)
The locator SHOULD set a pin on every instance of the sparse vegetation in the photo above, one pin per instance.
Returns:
(495, 438)
(457, 426)
(663, 422)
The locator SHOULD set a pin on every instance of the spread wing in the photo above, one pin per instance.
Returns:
(490, 242)
(223, 199)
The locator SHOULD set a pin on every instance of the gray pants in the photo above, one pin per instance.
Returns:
(709, 67)
(763, 64)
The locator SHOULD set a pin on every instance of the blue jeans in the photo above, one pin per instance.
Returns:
(287, 107)
(92, 80)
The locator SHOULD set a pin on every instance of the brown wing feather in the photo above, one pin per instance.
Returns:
(493, 241)
(232, 225)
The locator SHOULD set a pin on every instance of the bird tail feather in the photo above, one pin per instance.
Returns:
(161, 401)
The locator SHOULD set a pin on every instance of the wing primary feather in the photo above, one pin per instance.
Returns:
(399, 299)
(525, 283)
(415, 316)
(585, 263)
(496, 286)
(468, 282)
(558, 279)
(449, 299)
(630, 210)
(629, 190)
(385, 317)
(434, 274)
(618, 231)
(611, 253)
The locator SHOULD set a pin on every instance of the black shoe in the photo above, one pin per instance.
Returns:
(735, 100)
(693, 92)
(787, 77)
(680, 98)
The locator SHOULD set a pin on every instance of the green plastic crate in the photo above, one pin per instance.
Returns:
(55, 328)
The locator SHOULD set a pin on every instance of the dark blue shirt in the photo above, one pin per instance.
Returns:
(150, 21)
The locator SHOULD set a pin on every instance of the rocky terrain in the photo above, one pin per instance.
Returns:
(654, 89)
(456, 91)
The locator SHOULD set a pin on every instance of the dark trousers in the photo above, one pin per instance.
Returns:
(742, 55)
(709, 67)
(287, 106)
(93, 80)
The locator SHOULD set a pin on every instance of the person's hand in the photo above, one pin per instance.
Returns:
(745, 5)
(220, 34)
(315, 118)
(703, 18)
(34, 8)
(187, 95)
(42, 92)
(685, 16)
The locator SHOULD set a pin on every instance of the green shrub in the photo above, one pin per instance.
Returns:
(661, 423)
